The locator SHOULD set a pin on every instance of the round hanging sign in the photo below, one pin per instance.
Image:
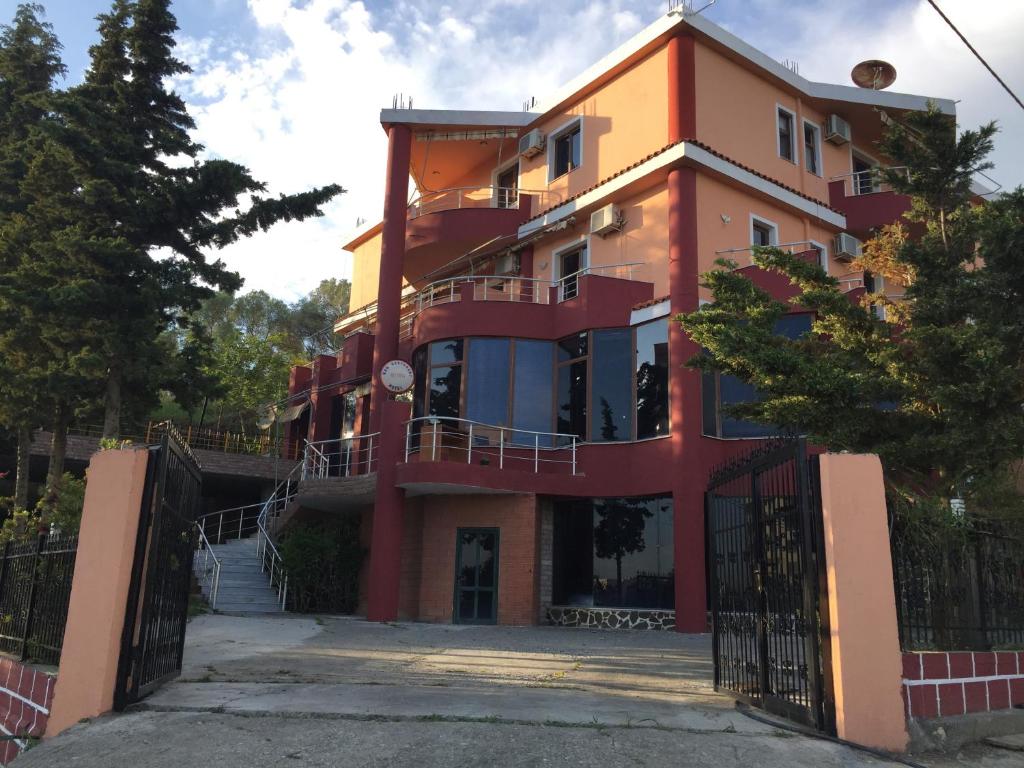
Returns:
(397, 376)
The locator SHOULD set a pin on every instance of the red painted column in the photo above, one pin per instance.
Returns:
(386, 538)
(688, 472)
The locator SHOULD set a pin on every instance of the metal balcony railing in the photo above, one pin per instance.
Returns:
(437, 438)
(341, 457)
(457, 198)
(868, 181)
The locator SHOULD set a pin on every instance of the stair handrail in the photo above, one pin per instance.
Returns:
(207, 556)
(264, 542)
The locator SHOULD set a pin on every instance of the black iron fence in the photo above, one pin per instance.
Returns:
(35, 589)
(958, 584)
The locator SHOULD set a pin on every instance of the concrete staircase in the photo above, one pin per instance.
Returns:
(244, 588)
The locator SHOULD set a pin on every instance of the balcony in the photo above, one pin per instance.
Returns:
(866, 200)
(449, 222)
(509, 305)
(338, 474)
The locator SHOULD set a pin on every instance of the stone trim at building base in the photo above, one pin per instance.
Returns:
(611, 618)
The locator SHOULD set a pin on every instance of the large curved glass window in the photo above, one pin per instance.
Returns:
(608, 385)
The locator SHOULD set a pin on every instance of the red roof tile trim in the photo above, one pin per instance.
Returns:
(650, 303)
(667, 147)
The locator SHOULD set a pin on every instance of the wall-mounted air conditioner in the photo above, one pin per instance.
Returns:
(606, 220)
(846, 247)
(532, 143)
(506, 265)
(837, 130)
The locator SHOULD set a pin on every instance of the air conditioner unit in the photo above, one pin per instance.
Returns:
(837, 130)
(606, 220)
(846, 247)
(532, 143)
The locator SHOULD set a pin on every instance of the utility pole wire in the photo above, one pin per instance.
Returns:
(975, 52)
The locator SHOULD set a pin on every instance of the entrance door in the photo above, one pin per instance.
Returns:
(507, 184)
(476, 576)
(570, 263)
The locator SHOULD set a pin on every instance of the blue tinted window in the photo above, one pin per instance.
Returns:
(652, 379)
(612, 399)
(487, 381)
(449, 351)
(445, 386)
(572, 399)
(532, 389)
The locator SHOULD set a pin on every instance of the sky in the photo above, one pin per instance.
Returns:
(293, 88)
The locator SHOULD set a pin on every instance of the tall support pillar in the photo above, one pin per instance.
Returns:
(386, 539)
(688, 471)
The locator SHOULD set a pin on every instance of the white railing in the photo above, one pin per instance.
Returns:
(270, 559)
(341, 457)
(447, 438)
(868, 181)
(210, 576)
(852, 283)
(456, 198)
(568, 286)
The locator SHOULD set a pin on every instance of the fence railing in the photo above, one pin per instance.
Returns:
(201, 439)
(435, 438)
(35, 589)
(341, 457)
(958, 585)
(868, 181)
(457, 198)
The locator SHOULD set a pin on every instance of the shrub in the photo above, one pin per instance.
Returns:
(322, 560)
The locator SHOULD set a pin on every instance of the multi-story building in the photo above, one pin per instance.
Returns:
(550, 460)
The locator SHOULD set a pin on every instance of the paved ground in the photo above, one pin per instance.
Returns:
(272, 691)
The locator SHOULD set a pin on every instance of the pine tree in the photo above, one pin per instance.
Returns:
(154, 192)
(29, 67)
(938, 390)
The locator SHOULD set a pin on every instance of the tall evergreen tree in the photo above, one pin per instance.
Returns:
(938, 391)
(156, 194)
(30, 65)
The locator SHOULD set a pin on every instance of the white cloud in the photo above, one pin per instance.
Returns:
(299, 105)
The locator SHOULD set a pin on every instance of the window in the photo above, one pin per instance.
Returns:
(812, 148)
(652, 380)
(445, 378)
(719, 391)
(566, 150)
(787, 120)
(487, 381)
(864, 176)
(568, 264)
(532, 395)
(614, 553)
(507, 187)
(611, 388)
(763, 232)
(571, 413)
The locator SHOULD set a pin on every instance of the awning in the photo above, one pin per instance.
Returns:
(292, 412)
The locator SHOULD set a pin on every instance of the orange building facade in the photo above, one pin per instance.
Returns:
(548, 464)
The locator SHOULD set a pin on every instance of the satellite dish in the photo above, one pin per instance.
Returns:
(266, 419)
(874, 74)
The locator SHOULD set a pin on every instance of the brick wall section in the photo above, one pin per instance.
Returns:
(516, 518)
(25, 698)
(546, 557)
(940, 684)
(412, 561)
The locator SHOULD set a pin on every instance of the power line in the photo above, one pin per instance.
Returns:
(975, 52)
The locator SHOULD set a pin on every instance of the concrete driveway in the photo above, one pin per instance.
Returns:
(269, 691)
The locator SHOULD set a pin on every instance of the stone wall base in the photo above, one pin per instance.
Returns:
(610, 618)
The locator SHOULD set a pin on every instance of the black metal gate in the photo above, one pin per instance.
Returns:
(154, 630)
(766, 569)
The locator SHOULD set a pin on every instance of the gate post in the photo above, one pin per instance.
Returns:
(99, 590)
(866, 661)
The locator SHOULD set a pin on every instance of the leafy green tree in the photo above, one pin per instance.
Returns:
(131, 139)
(938, 392)
(253, 372)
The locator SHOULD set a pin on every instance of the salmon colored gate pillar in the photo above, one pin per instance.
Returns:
(386, 537)
(687, 470)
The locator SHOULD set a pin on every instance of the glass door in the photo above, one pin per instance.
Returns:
(508, 183)
(476, 576)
